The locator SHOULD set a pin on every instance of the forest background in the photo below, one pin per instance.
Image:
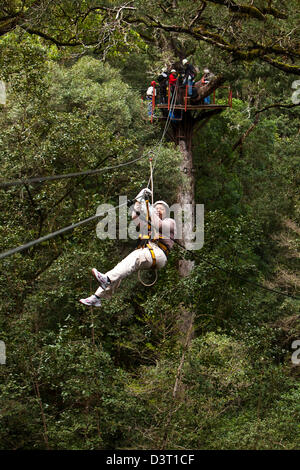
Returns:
(196, 362)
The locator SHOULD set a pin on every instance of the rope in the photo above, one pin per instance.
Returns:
(18, 249)
(168, 121)
(143, 282)
(151, 178)
(41, 179)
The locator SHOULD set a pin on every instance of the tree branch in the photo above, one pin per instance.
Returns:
(277, 105)
(274, 12)
(242, 139)
(206, 90)
(248, 10)
(56, 41)
(282, 65)
(198, 14)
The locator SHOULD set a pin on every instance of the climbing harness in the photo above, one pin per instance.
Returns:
(144, 242)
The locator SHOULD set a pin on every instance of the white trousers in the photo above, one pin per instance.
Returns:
(137, 259)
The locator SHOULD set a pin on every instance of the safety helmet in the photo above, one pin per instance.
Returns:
(164, 204)
(153, 83)
(173, 71)
(185, 61)
(206, 70)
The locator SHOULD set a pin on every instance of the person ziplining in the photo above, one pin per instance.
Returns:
(156, 239)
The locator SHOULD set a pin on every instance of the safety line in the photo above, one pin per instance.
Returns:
(41, 179)
(168, 121)
(32, 243)
(13, 251)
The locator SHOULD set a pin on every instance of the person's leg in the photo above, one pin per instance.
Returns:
(149, 106)
(138, 259)
(164, 95)
(161, 95)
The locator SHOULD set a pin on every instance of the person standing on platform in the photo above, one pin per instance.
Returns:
(172, 80)
(205, 81)
(163, 83)
(189, 73)
(149, 96)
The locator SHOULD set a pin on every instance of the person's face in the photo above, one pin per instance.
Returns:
(161, 211)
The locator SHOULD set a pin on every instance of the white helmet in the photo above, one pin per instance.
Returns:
(173, 71)
(185, 61)
(164, 204)
(206, 71)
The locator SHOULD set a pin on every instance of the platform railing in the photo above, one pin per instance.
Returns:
(182, 98)
(229, 94)
(185, 96)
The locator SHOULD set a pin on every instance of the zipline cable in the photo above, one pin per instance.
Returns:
(168, 121)
(18, 249)
(41, 179)
(32, 243)
(94, 217)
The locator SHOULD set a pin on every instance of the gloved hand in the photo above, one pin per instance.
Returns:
(143, 194)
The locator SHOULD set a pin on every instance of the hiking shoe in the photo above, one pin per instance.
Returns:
(101, 278)
(92, 301)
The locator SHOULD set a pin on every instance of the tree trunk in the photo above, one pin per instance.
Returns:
(186, 194)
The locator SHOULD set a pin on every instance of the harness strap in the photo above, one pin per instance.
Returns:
(144, 240)
(148, 218)
(143, 237)
(163, 247)
(152, 254)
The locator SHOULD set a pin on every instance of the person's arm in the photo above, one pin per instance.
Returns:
(169, 228)
(136, 211)
(166, 227)
(156, 222)
(140, 204)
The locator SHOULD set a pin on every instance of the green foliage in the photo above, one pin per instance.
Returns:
(128, 375)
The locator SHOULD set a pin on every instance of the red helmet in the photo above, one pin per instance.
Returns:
(153, 83)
